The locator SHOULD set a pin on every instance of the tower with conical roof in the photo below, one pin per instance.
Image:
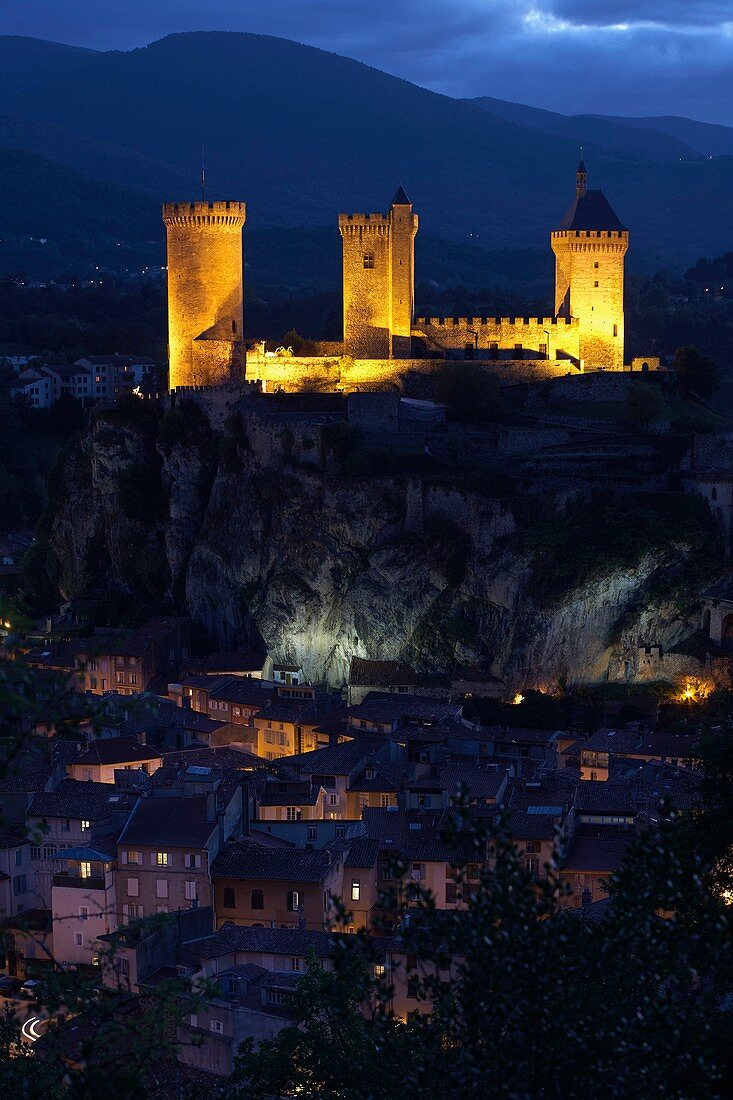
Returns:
(379, 280)
(590, 245)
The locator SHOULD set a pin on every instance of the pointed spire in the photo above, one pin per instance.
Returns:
(400, 198)
(581, 177)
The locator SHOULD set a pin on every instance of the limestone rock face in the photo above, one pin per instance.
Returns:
(328, 567)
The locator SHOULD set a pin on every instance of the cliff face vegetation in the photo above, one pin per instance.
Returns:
(267, 524)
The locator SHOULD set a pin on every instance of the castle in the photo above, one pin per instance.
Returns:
(382, 339)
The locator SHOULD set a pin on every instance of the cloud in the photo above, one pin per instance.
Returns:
(609, 56)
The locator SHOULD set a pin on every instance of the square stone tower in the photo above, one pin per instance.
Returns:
(379, 280)
(205, 292)
(590, 244)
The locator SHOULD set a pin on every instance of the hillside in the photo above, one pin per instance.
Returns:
(301, 134)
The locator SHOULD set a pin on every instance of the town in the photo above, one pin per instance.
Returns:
(365, 703)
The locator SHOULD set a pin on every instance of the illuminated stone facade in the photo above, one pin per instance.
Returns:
(590, 245)
(205, 292)
(379, 281)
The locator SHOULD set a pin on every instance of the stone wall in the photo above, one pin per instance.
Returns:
(538, 337)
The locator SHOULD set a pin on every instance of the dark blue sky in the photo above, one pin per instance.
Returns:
(632, 57)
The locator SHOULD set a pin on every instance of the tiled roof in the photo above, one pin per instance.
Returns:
(251, 861)
(171, 820)
(608, 740)
(80, 800)
(381, 707)
(117, 750)
(366, 673)
(298, 794)
(336, 759)
(590, 211)
(222, 756)
(386, 777)
(278, 941)
(362, 853)
(524, 826)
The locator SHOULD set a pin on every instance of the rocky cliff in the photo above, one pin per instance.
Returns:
(262, 524)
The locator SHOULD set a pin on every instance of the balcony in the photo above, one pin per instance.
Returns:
(94, 882)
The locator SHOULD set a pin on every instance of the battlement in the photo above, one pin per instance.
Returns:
(614, 237)
(223, 213)
(360, 223)
(498, 322)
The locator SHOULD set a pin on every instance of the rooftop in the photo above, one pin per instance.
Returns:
(591, 211)
(380, 673)
(246, 860)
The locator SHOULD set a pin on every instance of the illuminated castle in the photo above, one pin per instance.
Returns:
(205, 294)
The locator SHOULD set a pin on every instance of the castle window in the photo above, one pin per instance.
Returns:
(493, 350)
(234, 325)
(543, 351)
(595, 264)
(595, 283)
(368, 261)
(615, 330)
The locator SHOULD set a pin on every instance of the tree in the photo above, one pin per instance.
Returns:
(643, 405)
(696, 373)
(529, 1000)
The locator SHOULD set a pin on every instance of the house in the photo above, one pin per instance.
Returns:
(83, 905)
(74, 814)
(129, 663)
(17, 880)
(385, 713)
(36, 386)
(437, 786)
(360, 887)
(288, 724)
(288, 675)
(592, 856)
(166, 851)
(291, 801)
(333, 767)
(255, 972)
(383, 676)
(375, 783)
(223, 697)
(27, 940)
(114, 375)
(101, 759)
(276, 887)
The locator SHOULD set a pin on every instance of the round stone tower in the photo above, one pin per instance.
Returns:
(590, 244)
(205, 292)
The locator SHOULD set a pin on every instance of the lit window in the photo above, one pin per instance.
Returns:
(161, 859)
(355, 889)
(85, 870)
(216, 1026)
(85, 824)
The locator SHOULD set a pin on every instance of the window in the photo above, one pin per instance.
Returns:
(424, 800)
(292, 813)
(216, 1026)
(278, 997)
(65, 825)
(161, 888)
(293, 900)
(413, 988)
(85, 824)
(120, 677)
(49, 851)
(384, 800)
(379, 970)
(615, 330)
(134, 912)
(451, 893)
(92, 666)
(333, 799)
(229, 901)
(530, 866)
(257, 901)
(133, 678)
(531, 846)
(19, 885)
(340, 832)
(78, 939)
(18, 857)
(386, 874)
(35, 851)
(132, 857)
(595, 264)
(133, 887)
(543, 351)
(85, 869)
(369, 773)
(83, 912)
(192, 859)
(296, 964)
(193, 1020)
(368, 261)
(189, 890)
(162, 859)
(355, 889)
(595, 283)
(312, 832)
